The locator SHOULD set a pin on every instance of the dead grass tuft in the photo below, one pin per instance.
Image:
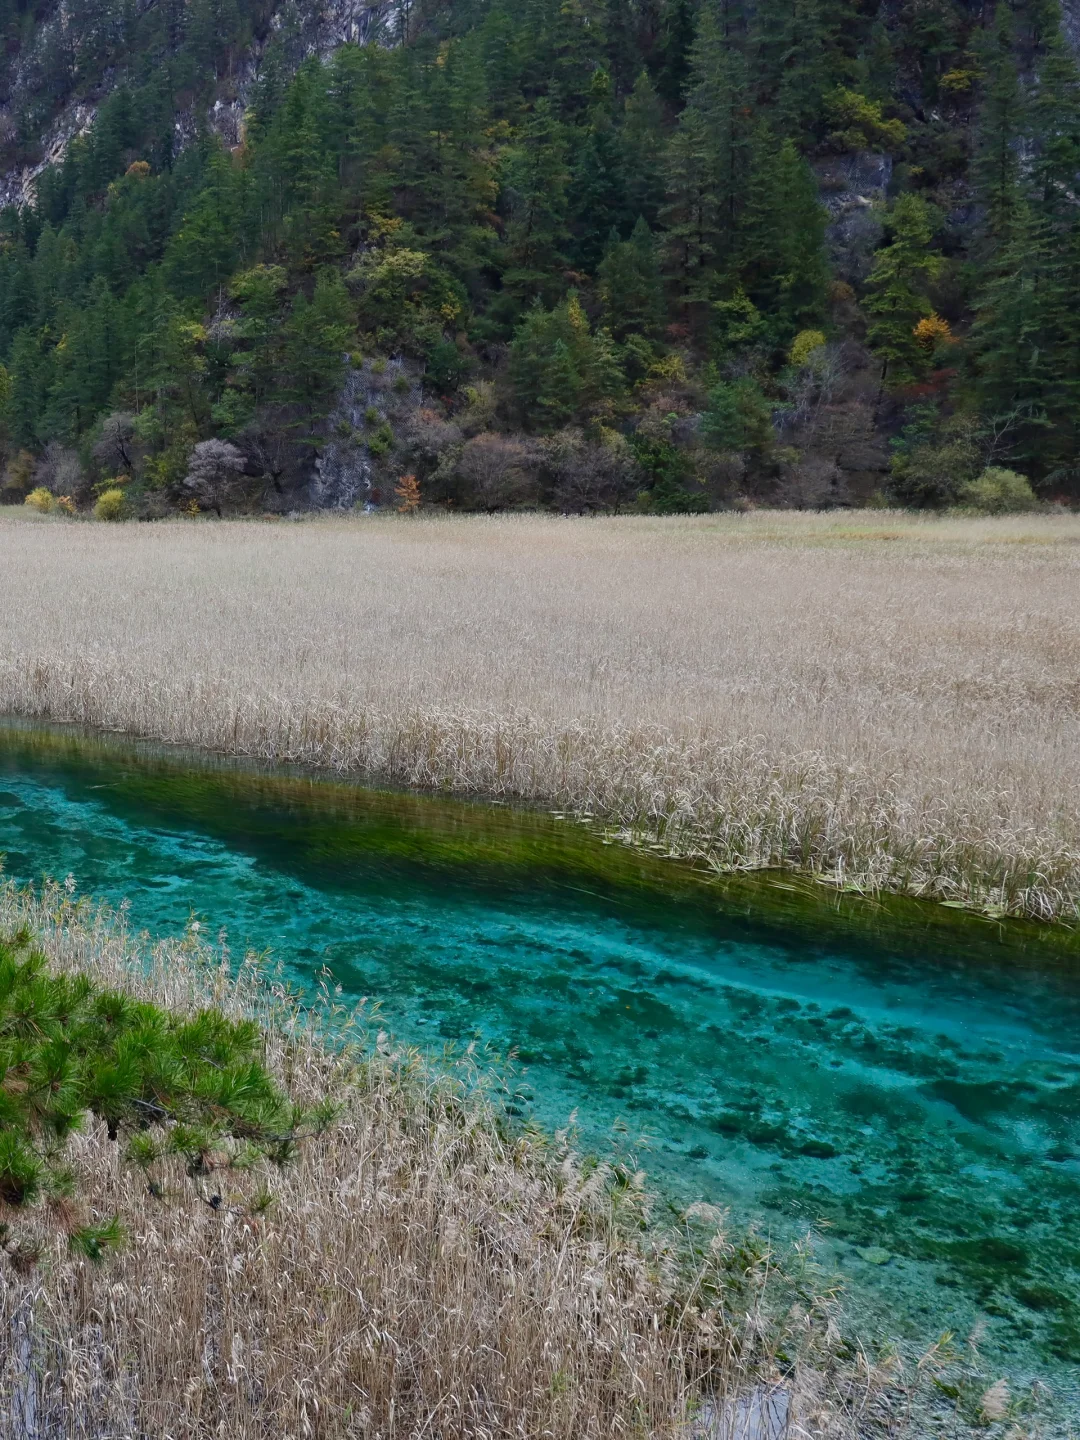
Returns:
(420, 1271)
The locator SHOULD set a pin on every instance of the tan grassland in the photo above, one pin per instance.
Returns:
(420, 1274)
(885, 700)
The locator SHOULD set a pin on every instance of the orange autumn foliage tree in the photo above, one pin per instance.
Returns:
(407, 491)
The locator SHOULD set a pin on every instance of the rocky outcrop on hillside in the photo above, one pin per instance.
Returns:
(355, 466)
(57, 108)
(17, 183)
(853, 189)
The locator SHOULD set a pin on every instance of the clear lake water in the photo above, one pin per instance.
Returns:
(900, 1079)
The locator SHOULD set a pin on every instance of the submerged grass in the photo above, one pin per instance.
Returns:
(418, 1269)
(338, 823)
(888, 702)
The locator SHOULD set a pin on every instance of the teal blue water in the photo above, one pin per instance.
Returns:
(902, 1082)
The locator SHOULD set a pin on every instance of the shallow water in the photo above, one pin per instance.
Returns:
(903, 1080)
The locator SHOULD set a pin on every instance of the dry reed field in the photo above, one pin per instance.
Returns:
(886, 700)
(421, 1273)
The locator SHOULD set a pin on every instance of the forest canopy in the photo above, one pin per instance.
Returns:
(593, 254)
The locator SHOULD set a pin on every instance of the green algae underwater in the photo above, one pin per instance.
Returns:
(898, 1078)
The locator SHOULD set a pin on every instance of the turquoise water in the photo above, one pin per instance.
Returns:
(904, 1082)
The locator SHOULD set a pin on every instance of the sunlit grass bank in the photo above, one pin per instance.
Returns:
(416, 1268)
(887, 701)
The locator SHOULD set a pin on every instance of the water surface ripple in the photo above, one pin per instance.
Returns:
(904, 1081)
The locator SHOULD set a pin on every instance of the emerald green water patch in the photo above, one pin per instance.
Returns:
(334, 824)
(902, 1079)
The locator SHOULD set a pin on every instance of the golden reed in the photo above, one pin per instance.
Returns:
(421, 1271)
(884, 700)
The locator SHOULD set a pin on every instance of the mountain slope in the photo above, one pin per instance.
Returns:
(668, 255)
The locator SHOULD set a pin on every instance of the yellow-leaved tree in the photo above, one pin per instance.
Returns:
(407, 491)
(932, 331)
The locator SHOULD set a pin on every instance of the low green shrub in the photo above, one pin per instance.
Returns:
(933, 462)
(381, 443)
(998, 492)
(187, 1086)
(858, 123)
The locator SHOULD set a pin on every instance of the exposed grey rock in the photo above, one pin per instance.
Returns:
(853, 190)
(322, 30)
(1070, 24)
(345, 471)
(17, 186)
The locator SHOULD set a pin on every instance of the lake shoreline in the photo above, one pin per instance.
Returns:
(747, 1122)
(751, 693)
(687, 1290)
(833, 905)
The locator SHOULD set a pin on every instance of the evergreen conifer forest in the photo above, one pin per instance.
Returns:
(663, 255)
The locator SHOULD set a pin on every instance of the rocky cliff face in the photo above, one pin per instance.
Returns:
(17, 183)
(63, 41)
(853, 188)
(354, 468)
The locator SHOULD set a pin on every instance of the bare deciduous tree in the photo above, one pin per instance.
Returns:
(811, 483)
(589, 474)
(499, 472)
(428, 437)
(116, 447)
(58, 470)
(216, 476)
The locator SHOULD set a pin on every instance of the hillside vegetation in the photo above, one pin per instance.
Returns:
(659, 255)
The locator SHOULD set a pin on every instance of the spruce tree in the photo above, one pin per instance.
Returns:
(897, 291)
(641, 141)
(720, 93)
(596, 195)
(18, 296)
(461, 189)
(352, 115)
(691, 217)
(316, 336)
(29, 379)
(1012, 361)
(258, 362)
(536, 178)
(268, 90)
(53, 280)
(500, 43)
(93, 357)
(707, 165)
(781, 261)
(672, 50)
(560, 369)
(1001, 123)
(207, 248)
(789, 45)
(1053, 133)
(295, 171)
(631, 288)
